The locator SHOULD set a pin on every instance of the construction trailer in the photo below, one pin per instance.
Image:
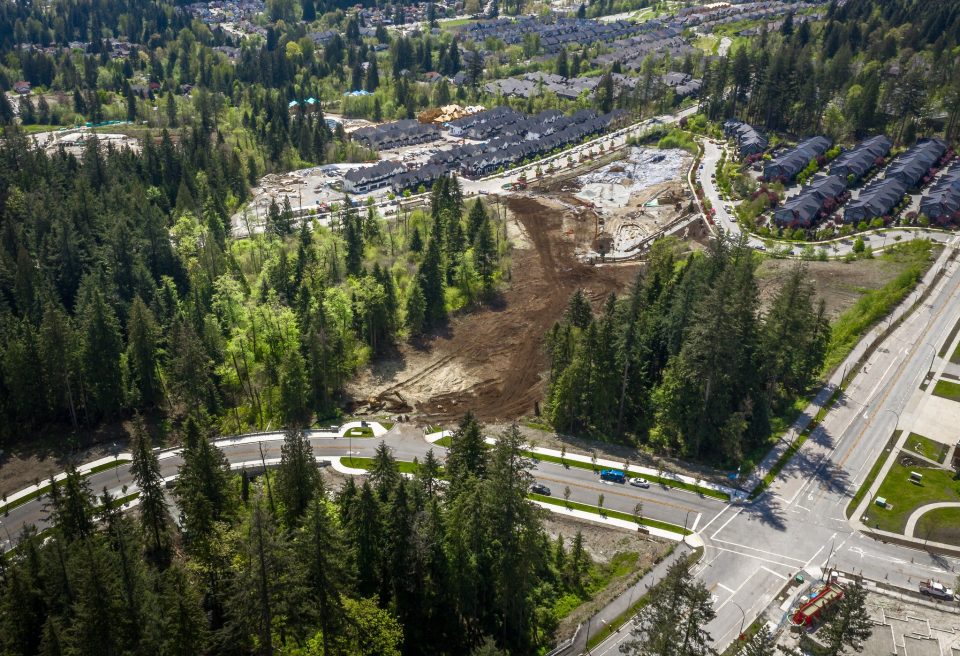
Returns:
(812, 610)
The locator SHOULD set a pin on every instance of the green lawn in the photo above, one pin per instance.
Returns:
(404, 466)
(955, 357)
(872, 476)
(941, 525)
(905, 497)
(444, 441)
(616, 514)
(669, 482)
(363, 431)
(926, 447)
(947, 390)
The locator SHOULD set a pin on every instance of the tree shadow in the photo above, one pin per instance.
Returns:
(768, 511)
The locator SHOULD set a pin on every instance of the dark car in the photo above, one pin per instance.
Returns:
(540, 488)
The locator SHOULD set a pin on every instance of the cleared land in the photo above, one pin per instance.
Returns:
(491, 360)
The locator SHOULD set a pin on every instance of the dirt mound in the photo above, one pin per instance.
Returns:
(492, 361)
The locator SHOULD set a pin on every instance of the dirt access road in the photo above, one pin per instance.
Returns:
(491, 360)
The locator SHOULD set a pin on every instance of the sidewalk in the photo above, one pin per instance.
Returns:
(616, 607)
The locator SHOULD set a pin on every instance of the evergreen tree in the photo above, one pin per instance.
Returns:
(319, 547)
(430, 280)
(153, 506)
(416, 310)
(849, 625)
(142, 353)
(298, 477)
(202, 491)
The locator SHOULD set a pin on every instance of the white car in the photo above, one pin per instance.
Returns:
(640, 482)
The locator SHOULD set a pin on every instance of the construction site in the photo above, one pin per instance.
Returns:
(491, 360)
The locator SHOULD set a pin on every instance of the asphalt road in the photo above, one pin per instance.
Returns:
(752, 550)
(665, 504)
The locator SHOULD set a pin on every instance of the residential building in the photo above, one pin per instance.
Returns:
(863, 157)
(802, 210)
(942, 203)
(369, 178)
(407, 132)
(877, 199)
(749, 140)
(914, 166)
(786, 166)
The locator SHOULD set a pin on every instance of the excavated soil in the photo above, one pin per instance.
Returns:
(491, 360)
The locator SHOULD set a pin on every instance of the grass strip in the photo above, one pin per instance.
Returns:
(849, 327)
(403, 466)
(666, 482)
(616, 514)
(446, 441)
(362, 431)
(924, 446)
(621, 619)
(46, 488)
(947, 390)
(872, 475)
(949, 341)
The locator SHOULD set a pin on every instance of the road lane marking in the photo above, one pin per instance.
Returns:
(695, 522)
(606, 492)
(777, 574)
(730, 519)
(730, 590)
(790, 567)
(769, 553)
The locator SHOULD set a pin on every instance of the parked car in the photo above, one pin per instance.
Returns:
(936, 590)
(640, 482)
(540, 488)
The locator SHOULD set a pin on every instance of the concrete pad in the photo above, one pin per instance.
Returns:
(937, 418)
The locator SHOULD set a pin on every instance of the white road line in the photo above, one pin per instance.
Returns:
(760, 558)
(777, 574)
(734, 592)
(695, 522)
(769, 553)
(807, 564)
(723, 510)
(732, 517)
(730, 590)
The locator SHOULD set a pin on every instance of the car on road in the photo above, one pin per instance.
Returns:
(640, 482)
(540, 488)
(936, 590)
(613, 475)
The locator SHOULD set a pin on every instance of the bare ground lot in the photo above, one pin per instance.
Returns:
(839, 284)
(490, 361)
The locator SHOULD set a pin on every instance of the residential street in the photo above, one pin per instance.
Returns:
(726, 221)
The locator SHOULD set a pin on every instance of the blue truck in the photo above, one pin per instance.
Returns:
(613, 475)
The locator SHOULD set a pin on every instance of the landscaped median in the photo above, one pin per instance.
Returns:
(582, 461)
(574, 460)
(613, 514)
(29, 494)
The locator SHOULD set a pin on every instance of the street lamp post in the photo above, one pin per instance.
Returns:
(743, 618)
(685, 520)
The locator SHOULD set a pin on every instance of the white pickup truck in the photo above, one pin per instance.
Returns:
(936, 590)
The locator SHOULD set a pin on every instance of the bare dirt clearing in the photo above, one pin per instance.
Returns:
(490, 361)
(839, 284)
